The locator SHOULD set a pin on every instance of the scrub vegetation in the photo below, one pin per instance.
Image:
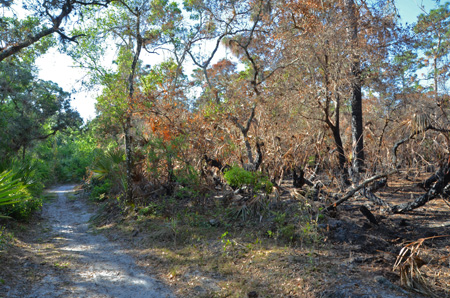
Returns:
(276, 149)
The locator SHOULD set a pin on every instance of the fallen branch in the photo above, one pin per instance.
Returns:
(377, 185)
(366, 212)
(299, 179)
(376, 200)
(354, 190)
(435, 191)
(427, 183)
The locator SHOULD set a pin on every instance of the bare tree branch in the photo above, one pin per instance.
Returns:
(66, 10)
(354, 190)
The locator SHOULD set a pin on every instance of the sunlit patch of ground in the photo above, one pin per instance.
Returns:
(59, 257)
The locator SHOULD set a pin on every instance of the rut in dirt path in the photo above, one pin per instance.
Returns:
(96, 267)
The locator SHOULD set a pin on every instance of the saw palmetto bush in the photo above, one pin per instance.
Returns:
(108, 173)
(108, 164)
(13, 192)
(255, 199)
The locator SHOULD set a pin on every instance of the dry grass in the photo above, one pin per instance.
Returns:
(230, 258)
(208, 251)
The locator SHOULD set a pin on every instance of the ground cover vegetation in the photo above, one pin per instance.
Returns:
(316, 141)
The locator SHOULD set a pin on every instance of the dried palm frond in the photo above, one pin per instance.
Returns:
(409, 263)
(420, 123)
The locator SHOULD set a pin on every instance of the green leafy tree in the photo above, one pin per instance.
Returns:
(433, 38)
(30, 109)
(65, 157)
(134, 26)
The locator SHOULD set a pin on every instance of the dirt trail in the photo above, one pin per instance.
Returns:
(91, 265)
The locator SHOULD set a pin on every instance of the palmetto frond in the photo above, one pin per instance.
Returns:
(108, 163)
(12, 189)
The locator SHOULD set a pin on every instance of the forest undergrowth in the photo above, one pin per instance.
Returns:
(236, 242)
(208, 249)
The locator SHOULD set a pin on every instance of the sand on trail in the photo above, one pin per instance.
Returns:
(96, 267)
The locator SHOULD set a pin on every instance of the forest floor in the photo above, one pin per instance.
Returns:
(200, 249)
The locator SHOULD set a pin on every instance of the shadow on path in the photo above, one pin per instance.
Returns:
(92, 265)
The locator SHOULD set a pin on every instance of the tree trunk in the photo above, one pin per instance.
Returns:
(127, 125)
(335, 128)
(340, 150)
(436, 79)
(24, 149)
(357, 129)
(252, 165)
(356, 97)
(129, 158)
(337, 136)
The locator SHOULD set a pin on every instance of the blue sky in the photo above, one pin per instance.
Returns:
(58, 68)
(410, 9)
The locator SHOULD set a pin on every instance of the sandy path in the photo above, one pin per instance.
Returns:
(93, 266)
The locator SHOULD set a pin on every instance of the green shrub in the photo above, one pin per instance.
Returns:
(108, 164)
(15, 198)
(187, 176)
(64, 157)
(24, 209)
(287, 232)
(12, 189)
(237, 177)
(108, 175)
(100, 190)
(150, 209)
(6, 237)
